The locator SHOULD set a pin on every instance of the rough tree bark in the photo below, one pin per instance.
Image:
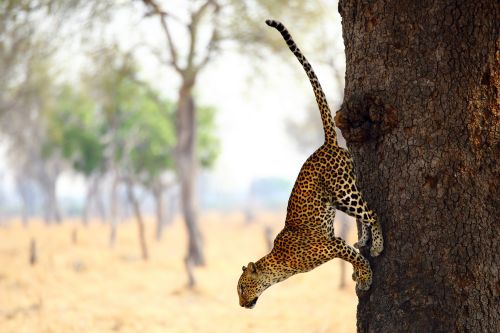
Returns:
(421, 117)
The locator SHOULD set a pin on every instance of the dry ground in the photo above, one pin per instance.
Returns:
(89, 287)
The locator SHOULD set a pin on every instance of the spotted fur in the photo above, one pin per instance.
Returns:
(325, 183)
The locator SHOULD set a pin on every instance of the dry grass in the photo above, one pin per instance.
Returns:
(89, 287)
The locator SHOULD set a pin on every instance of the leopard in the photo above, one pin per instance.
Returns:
(326, 183)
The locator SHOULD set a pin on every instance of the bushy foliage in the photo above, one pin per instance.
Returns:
(120, 120)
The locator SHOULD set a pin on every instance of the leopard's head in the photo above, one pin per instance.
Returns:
(251, 284)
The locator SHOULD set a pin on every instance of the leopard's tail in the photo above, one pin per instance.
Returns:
(326, 115)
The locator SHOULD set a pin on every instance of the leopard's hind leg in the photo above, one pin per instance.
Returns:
(354, 205)
(349, 200)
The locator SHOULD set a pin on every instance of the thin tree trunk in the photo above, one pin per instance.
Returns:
(138, 217)
(186, 162)
(189, 269)
(48, 216)
(52, 210)
(90, 195)
(111, 161)
(86, 208)
(164, 216)
(160, 222)
(421, 117)
(168, 213)
(54, 203)
(186, 168)
(100, 204)
(113, 212)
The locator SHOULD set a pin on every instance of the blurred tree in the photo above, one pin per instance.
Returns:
(226, 20)
(36, 29)
(16, 33)
(147, 138)
(75, 131)
(111, 84)
(421, 116)
(31, 33)
(35, 160)
(188, 69)
(140, 134)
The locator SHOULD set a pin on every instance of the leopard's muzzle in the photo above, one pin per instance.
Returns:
(251, 304)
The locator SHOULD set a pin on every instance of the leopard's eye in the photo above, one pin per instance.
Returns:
(241, 289)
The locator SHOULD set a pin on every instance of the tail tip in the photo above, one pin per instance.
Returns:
(271, 23)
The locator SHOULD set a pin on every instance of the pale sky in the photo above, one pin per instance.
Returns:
(252, 105)
(252, 117)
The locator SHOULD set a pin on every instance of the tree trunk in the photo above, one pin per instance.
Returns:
(421, 117)
(89, 197)
(186, 169)
(164, 216)
(113, 212)
(160, 220)
(56, 210)
(138, 217)
(100, 204)
(52, 210)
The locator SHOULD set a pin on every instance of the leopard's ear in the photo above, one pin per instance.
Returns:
(243, 268)
(252, 267)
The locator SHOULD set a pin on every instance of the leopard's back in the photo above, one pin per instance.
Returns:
(310, 202)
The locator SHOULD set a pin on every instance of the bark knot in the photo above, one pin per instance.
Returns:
(364, 118)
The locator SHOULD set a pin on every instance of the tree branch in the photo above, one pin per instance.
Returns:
(193, 29)
(155, 8)
(193, 33)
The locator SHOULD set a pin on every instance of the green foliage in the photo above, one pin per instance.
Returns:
(141, 123)
(145, 132)
(113, 119)
(74, 131)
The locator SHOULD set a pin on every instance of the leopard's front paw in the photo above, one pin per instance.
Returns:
(364, 284)
(363, 278)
